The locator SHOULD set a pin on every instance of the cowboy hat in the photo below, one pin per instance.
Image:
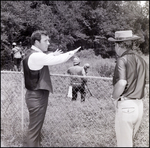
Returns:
(123, 36)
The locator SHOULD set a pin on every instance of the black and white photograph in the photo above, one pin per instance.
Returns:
(74, 73)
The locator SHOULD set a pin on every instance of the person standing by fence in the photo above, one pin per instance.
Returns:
(86, 67)
(130, 77)
(16, 55)
(78, 84)
(38, 82)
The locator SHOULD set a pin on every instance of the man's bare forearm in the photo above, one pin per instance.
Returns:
(119, 88)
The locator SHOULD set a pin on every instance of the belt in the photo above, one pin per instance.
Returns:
(77, 83)
(126, 98)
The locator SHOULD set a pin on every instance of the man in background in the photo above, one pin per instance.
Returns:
(130, 77)
(16, 56)
(77, 83)
(38, 81)
(86, 67)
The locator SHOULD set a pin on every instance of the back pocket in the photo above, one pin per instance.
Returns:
(128, 110)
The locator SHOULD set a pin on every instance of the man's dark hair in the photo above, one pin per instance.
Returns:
(36, 35)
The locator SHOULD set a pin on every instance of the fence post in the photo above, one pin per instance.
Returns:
(22, 99)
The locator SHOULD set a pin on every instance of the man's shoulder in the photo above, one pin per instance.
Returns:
(28, 52)
(136, 55)
(76, 67)
(126, 55)
(14, 48)
(70, 67)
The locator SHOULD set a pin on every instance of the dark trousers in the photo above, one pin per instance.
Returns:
(17, 63)
(76, 89)
(37, 104)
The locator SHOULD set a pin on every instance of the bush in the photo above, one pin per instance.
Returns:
(6, 62)
(105, 68)
(86, 54)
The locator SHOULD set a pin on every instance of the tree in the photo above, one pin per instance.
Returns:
(74, 23)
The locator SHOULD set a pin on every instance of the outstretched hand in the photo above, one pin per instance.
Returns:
(77, 49)
(74, 51)
(57, 52)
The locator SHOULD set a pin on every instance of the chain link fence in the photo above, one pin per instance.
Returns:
(11, 106)
(67, 123)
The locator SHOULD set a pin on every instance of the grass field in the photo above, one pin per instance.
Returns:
(67, 123)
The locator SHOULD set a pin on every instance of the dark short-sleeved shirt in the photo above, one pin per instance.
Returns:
(134, 70)
(76, 70)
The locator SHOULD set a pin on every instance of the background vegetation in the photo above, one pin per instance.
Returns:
(71, 24)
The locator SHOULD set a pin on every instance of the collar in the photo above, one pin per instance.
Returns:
(127, 52)
(35, 48)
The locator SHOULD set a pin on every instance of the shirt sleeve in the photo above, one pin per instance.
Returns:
(147, 74)
(13, 50)
(121, 69)
(39, 59)
(83, 72)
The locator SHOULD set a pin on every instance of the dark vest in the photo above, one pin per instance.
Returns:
(36, 79)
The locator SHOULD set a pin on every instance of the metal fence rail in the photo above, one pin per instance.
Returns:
(67, 123)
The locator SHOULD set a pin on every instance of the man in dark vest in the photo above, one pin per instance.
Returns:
(38, 82)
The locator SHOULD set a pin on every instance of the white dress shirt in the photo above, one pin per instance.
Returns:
(39, 59)
(17, 52)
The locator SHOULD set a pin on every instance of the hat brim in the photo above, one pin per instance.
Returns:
(125, 39)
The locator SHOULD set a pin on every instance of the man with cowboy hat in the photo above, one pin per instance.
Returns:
(130, 77)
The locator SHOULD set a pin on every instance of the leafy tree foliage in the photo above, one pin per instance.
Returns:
(74, 23)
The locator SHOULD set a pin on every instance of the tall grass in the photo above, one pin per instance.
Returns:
(98, 65)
